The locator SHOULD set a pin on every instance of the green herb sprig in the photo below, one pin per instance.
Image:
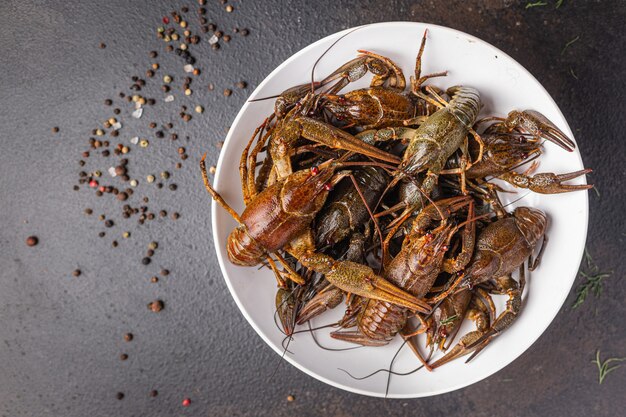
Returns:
(536, 4)
(449, 320)
(570, 43)
(594, 280)
(603, 367)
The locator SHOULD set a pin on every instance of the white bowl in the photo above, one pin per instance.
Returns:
(504, 85)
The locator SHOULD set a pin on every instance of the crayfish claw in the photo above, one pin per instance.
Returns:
(465, 346)
(386, 291)
(547, 183)
(355, 336)
(322, 301)
(538, 125)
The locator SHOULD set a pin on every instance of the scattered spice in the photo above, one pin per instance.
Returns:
(241, 84)
(146, 261)
(128, 337)
(76, 272)
(119, 396)
(123, 356)
(32, 240)
(156, 306)
(186, 402)
(227, 92)
(154, 393)
(102, 45)
(291, 398)
(55, 129)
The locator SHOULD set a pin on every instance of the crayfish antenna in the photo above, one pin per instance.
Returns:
(215, 194)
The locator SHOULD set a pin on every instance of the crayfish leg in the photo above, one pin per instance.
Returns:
(417, 80)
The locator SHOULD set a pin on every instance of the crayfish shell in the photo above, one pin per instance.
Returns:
(382, 320)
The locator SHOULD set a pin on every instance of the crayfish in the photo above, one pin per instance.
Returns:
(383, 197)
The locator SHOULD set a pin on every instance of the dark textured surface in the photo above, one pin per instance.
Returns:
(61, 337)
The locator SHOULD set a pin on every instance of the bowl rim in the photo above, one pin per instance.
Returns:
(220, 252)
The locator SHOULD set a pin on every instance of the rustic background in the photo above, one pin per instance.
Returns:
(61, 336)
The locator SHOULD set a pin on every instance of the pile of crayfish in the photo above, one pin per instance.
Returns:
(383, 196)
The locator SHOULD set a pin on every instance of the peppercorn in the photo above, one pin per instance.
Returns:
(123, 356)
(76, 272)
(227, 92)
(32, 240)
(146, 261)
(120, 395)
(156, 306)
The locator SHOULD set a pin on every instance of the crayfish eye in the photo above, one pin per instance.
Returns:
(328, 187)
(315, 170)
(445, 247)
